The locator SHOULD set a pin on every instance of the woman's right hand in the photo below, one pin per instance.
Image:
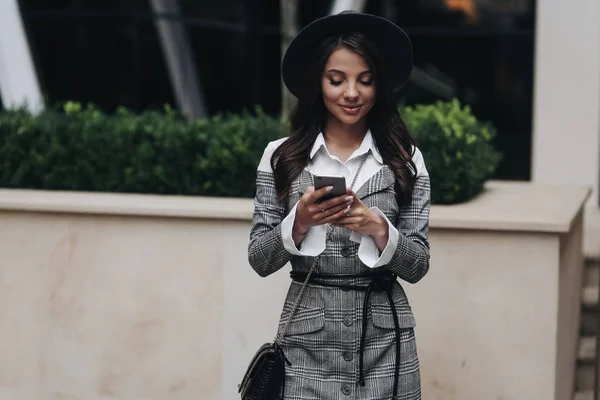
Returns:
(311, 213)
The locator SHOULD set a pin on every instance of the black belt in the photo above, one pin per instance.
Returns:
(381, 281)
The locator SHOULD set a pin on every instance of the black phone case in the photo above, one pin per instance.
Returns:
(337, 190)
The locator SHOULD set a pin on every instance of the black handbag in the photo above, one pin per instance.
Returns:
(265, 376)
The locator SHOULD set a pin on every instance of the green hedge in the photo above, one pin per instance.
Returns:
(81, 148)
(85, 149)
(457, 149)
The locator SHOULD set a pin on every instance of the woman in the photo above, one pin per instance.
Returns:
(351, 336)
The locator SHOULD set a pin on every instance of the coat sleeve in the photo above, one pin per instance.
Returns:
(411, 258)
(266, 251)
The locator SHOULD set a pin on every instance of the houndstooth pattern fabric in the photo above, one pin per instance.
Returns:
(323, 339)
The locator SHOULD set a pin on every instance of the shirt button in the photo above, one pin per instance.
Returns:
(346, 389)
(348, 356)
(347, 321)
(346, 251)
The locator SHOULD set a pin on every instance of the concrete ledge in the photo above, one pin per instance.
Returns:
(515, 206)
(126, 204)
(503, 206)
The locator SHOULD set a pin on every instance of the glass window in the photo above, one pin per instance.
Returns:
(97, 51)
(481, 52)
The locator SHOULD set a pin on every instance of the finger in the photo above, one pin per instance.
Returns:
(314, 209)
(316, 213)
(344, 200)
(342, 210)
(353, 194)
(305, 199)
(334, 210)
(317, 194)
(332, 218)
(354, 210)
(324, 217)
(307, 193)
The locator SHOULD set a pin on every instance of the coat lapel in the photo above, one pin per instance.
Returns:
(301, 183)
(383, 179)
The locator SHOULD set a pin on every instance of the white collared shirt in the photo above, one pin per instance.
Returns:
(324, 163)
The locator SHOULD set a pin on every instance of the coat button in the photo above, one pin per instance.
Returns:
(347, 283)
(346, 389)
(346, 251)
(347, 321)
(348, 356)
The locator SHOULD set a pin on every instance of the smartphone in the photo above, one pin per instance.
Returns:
(338, 183)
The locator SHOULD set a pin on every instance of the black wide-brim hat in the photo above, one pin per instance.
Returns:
(393, 43)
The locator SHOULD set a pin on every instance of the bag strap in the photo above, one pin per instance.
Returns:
(283, 332)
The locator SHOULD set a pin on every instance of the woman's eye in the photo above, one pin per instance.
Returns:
(335, 83)
(367, 83)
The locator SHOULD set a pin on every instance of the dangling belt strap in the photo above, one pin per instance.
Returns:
(381, 281)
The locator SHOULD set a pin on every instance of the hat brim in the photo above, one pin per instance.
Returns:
(393, 43)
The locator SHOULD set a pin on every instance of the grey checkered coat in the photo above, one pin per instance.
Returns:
(323, 339)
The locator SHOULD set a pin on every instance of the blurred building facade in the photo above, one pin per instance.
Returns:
(530, 67)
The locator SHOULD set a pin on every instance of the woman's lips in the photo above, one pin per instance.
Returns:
(351, 110)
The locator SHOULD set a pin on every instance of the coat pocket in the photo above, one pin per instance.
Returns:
(308, 318)
(383, 317)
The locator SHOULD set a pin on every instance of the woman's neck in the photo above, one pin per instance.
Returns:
(342, 140)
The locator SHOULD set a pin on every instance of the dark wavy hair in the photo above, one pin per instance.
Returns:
(309, 117)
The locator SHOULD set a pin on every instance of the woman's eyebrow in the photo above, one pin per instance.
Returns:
(337, 71)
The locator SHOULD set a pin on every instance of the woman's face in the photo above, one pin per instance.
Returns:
(348, 87)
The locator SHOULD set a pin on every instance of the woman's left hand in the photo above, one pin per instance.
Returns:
(359, 218)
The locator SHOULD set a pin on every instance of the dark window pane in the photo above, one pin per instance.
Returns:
(238, 54)
(221, 62)
(222, 10)
(109, 54)
(482, 53)
(62, 5)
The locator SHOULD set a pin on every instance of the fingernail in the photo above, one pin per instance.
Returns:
(329, 188)
(348, 198)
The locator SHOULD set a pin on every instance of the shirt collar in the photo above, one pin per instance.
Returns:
(367, 144)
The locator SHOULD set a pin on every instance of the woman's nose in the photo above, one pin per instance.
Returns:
(351, 93)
